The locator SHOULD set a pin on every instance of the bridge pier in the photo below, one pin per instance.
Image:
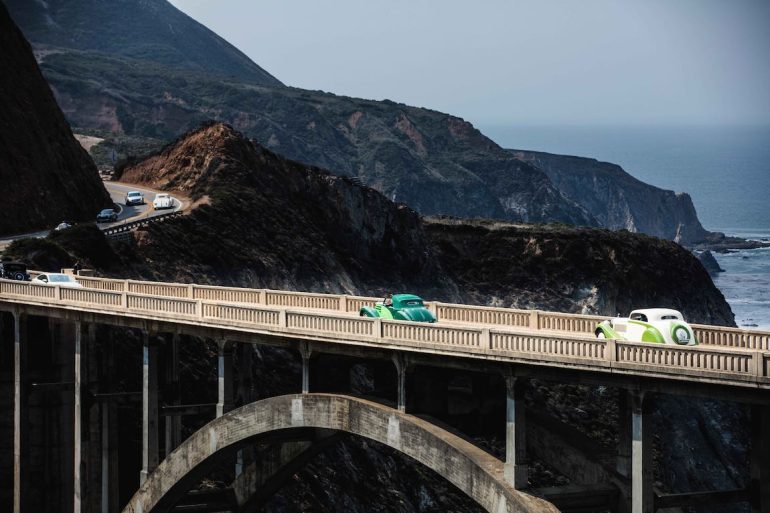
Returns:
(20, 395)
(642, 496)
(623, 461)
(224, 377)
(78, 463)
(401, 369)
(149, 406)
(305, 353)
(173, 423)
(516, 468)
(760, 459)
(110, 487)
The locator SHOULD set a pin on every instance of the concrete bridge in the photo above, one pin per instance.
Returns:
(516, 344)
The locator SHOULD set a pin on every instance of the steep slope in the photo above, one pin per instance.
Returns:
(618, 200)
(152, 30)
(268, 221)
(46, 175)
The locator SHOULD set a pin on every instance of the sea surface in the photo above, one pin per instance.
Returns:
(725, 169)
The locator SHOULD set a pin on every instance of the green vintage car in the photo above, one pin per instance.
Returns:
(405, 307)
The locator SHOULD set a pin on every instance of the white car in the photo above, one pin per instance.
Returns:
(134, 198)
(54, 279)
(655, 325)
(162, 201)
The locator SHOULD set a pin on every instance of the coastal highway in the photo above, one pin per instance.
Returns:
(126, 214)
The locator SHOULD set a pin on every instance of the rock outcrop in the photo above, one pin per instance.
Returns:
(46, 175)
(618, 200)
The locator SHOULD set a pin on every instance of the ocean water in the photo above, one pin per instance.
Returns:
(726, 171)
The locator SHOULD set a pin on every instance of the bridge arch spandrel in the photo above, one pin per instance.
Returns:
(470, 469)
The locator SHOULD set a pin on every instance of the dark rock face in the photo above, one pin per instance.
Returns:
(152, 30)
(46, 175)
(573, 269)
(618, 200)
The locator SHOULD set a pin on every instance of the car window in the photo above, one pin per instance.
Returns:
(638, 317)
(413, 302)
(669, 317)
(60, 278)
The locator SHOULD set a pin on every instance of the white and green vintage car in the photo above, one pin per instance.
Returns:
(655, 325)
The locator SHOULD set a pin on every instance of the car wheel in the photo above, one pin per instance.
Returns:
(600, 335)
(18, 276)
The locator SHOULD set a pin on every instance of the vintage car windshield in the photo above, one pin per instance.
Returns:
(107, 211)
(669, 318)
(638, 317)
(412, 302)
(134, 194)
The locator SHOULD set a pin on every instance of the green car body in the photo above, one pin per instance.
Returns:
(406, 307)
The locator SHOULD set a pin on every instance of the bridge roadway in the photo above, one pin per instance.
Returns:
(732, 364)
(733, 357)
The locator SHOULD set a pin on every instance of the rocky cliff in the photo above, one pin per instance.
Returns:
(618, 200)
(46, 175)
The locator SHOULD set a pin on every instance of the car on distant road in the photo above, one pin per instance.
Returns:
(162, 201)
(14, 271)
(655, 325)
(402, 307)
(134, 198)
(60, 279)
(63, 226)
(107, 216)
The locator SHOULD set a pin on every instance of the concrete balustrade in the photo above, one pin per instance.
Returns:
(736, 366)
(445, 312)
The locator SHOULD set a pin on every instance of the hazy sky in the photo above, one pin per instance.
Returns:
(517, 61)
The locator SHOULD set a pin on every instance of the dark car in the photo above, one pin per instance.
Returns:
(14, 271)
(107, 216)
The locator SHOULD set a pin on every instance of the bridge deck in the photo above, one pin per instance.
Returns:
(742, 367)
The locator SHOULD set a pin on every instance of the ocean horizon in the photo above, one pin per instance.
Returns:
(725, 169)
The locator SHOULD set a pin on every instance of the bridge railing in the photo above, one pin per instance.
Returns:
(721, 363)
(446, 312)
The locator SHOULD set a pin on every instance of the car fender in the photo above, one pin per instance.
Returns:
(605, 328)
(368, 311)
(415, 315)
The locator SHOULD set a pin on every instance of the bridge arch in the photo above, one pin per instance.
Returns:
(469, 468)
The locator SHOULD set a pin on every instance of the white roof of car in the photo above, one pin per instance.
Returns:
(658, 313)
(161, 195)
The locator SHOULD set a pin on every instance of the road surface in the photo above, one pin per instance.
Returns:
(126, 214)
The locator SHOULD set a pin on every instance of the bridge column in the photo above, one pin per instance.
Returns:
(173, 422)
(305, 353)
(110, 490)
(149, 406)
(760, 459)
(642, 496)
(225, 377)
(401, 368)
(515, 469)
(20, 393)
(78, 467)
(623, 463)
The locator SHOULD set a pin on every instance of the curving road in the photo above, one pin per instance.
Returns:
(117, 192)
